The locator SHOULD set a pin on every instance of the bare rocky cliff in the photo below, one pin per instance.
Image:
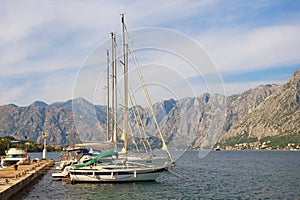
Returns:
(277, 115)
(27, 123)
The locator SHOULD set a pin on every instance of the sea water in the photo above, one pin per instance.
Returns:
(218, 175)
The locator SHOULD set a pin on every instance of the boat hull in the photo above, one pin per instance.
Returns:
(15, 156)
(9, 162)
(130, 175)
(60, 175)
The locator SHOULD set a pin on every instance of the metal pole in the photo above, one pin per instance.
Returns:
(114, 89)
(107, 95)
(125, 73)
(45, 148)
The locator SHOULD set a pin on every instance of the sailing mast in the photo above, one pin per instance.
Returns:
(114, 90)
(125, 73)
(107, 96)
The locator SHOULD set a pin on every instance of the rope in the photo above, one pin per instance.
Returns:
(164, 146)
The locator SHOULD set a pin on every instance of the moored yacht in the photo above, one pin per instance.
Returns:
(15, 156)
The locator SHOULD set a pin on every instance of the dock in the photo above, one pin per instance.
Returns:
(13, 180)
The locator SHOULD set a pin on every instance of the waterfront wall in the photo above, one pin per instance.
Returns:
(15, 181)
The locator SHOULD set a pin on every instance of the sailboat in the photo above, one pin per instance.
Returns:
(120, 166)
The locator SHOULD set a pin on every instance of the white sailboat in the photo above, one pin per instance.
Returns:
(123, 166)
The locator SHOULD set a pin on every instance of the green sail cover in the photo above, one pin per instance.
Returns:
(95, 159)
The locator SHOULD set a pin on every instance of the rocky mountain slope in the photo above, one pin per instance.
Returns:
(198, 122)
(28, 123)
(279, 114)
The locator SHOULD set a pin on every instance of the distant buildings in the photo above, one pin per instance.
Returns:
(261, 146)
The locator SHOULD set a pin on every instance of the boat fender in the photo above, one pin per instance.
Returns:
(116, 154)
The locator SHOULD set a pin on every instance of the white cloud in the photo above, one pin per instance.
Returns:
(32, 28)
(11, 95)
(41, 38)
(259, 48)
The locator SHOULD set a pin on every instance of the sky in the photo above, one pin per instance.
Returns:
(45, 45)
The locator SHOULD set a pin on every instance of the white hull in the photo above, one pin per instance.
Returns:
(115, 175)
(11, 161)
(58, 176)
(63, 174)
(15, 156)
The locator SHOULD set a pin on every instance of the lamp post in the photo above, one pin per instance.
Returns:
(44, 135)
(27, 144)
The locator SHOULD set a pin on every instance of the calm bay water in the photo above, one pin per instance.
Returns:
(220, 175)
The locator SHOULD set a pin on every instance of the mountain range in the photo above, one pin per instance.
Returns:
(198, 122)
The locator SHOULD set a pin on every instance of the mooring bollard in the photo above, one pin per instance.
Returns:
(16, 167)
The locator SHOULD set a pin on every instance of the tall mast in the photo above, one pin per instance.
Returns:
(112, 87)
(114, 90)
(125, 73)
(107, 96)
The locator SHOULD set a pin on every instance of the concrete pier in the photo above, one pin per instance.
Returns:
(13, 181)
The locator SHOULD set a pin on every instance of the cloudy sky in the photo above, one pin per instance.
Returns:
(44, 44)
